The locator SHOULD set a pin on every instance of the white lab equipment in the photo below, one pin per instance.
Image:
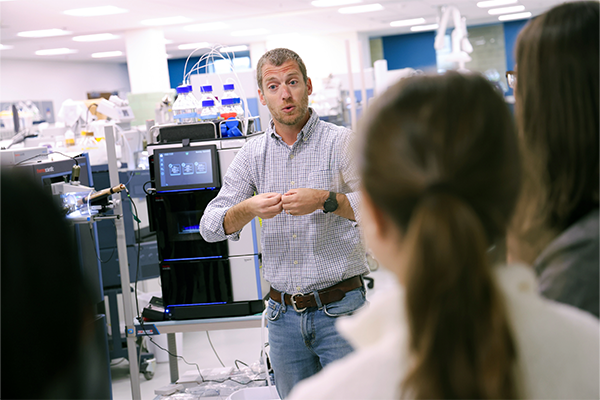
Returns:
(116, 109)
(461, 47)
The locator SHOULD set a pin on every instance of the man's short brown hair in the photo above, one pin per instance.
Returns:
(278, 57)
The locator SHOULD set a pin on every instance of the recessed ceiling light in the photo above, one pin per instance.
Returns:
(44, 33)
(167, 41)
(209, 26)
(95, 11)
(166, 21)
(510, 17)
(105, 54)
(506, 10)
(495, 3)
(408, 22)
(419, 28)
(361, 9)
(55, 52)
(193, 46)
(6, 47)
(233, 49)
(95, 38)
(250, 32)
(333, 3)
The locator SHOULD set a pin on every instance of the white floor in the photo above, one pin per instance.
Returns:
(231, 345)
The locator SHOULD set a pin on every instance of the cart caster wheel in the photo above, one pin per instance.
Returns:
(148, 375)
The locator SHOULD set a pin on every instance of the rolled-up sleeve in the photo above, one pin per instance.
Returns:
(237, 187)
(351, 176)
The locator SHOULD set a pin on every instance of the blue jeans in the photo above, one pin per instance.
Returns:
(301, 344)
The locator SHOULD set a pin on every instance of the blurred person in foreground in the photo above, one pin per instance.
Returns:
(49, 350)
(440, 175)
(556, 224)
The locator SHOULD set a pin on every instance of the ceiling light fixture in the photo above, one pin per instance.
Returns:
(193, 46)
(44, 33)
(55, 52)
(6, 47)
(233, 49)
(105, 54)
(495, 3)
(361, 9)
(250, 32)
(165, 21)
(420, 28)
(408, 22)
(506, 10)
(99, 37)
(510, 17)
(95, 11)
(209, 26)
(333, 3)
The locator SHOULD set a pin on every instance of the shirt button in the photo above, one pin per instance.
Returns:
(291, 156)
(294, 236)
(298, 288)
(295, 261)
(292, 183)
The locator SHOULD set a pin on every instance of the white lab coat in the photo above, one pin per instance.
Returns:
(558, 347)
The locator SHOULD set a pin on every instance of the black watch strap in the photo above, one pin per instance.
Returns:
(331, 203)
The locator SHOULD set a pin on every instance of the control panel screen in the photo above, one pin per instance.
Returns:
(186, 168)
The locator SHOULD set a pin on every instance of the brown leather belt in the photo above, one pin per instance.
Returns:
(328, 295)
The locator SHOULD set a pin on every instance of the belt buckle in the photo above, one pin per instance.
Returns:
(293, 300)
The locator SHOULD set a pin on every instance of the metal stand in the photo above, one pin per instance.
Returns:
(109, 134)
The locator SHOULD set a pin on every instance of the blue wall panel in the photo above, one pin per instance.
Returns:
(414, 50)
(511, 31)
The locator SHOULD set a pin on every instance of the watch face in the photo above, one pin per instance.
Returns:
(330, 204)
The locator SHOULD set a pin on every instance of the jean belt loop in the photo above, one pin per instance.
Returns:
(318, 300)
(283, 305)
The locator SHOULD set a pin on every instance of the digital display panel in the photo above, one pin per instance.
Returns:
(186, 168)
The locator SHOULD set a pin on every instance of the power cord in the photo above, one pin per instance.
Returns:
(215, 351)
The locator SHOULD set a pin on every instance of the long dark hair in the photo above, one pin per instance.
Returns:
(557, 117)
(439, 157)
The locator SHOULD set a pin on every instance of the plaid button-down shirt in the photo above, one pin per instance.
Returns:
(299, 253)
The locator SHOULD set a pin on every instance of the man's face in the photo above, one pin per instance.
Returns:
(285, 93)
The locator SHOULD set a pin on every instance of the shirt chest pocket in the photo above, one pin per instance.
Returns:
(320, 180)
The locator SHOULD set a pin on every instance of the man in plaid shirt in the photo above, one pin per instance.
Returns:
(300, 179)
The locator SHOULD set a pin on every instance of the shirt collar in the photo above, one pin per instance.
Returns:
(307, 129)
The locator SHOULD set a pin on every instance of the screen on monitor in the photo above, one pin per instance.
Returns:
(186, 168)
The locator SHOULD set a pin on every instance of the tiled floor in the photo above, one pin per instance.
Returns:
(230, 345)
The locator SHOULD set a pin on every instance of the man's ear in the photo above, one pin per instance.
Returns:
(309, 86)
(261, 98)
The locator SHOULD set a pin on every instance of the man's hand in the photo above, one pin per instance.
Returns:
(303, 201)
(266, 205)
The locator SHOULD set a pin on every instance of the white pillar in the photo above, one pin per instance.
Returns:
(147, 61)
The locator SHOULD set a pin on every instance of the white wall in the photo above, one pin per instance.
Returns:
(324, 54)
(59, 80)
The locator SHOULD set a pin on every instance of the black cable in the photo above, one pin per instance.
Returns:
(215, 351)
(31, 158)
(144, 187)
(241, 362)
(62, 154)
(96, 251)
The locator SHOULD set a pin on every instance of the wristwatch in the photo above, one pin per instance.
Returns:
(331, 203)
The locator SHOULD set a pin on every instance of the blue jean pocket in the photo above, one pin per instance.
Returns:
(353, 300)
(273, 310)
